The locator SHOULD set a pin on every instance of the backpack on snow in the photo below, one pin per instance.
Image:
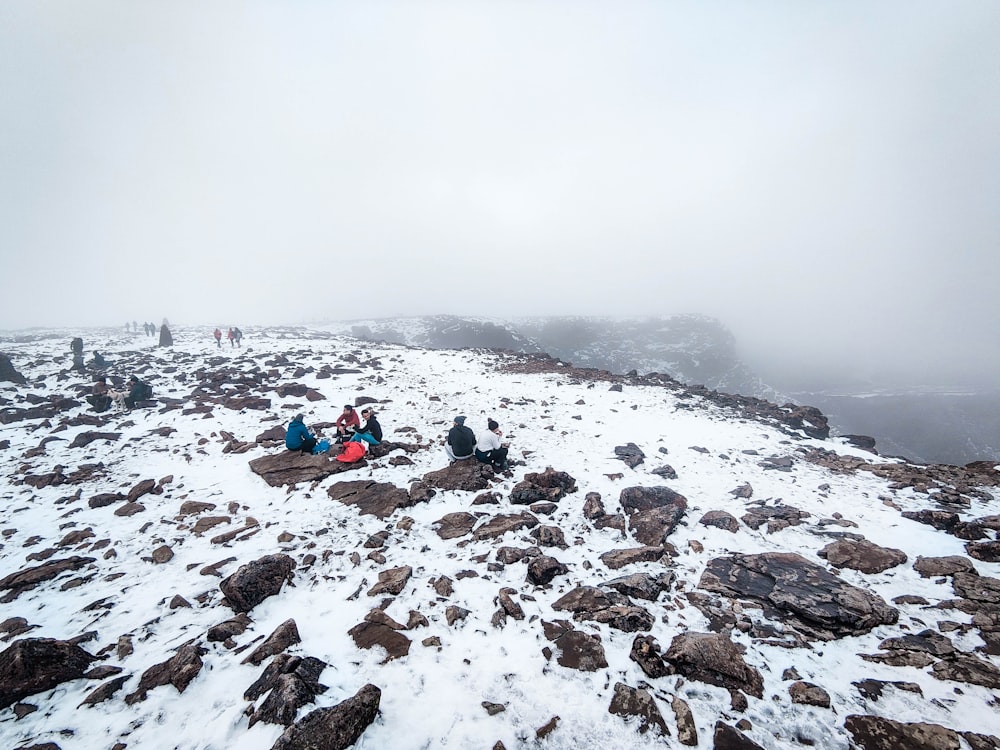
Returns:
(352, 451)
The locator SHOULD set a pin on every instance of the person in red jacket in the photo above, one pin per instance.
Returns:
(218, 337)
(347, 423)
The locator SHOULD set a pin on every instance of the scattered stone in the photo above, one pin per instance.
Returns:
(285, 635)
(34, 665)
(391, 581)
(335, 728)
(369, 634)
(877, 733)
(720, 519)
(715, 659)
(862, 555)
(256, 581)
(809, 694)
(629, 701)
(934, 567)
(178, 671)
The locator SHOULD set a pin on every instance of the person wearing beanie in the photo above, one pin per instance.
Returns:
(489, 449)
(461, 443)
(298, 437)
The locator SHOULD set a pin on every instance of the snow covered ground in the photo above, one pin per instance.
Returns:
(433, 696)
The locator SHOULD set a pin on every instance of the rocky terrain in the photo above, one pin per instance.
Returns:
(662, 565)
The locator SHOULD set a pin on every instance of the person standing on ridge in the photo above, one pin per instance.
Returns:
(461, 443)
(218, 337)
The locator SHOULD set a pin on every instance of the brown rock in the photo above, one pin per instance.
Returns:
(285, 635)
(877, 733)
(35, 665)
(629, 701)
(370, 634)
(178, 671)
(720, 519)
(715, 659)
(809, 694)
(391, 581)
(335, 728)
(933, 567)
(862, 555)
(256, 581)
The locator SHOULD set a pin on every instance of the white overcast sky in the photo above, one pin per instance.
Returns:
(822, 176)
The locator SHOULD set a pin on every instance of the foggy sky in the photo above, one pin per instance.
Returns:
(824, 177)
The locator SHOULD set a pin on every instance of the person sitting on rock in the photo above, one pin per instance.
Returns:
(371, 433)
(347, 423)
(298, 437)
(99, 397)
(461, 443)
(99, 362)
(138, 391)
(489, 449)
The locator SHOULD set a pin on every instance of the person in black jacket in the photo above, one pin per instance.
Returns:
(461, 442)
(371, 432)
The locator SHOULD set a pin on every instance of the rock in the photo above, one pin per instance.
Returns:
(453, 525)
(391, 581)
(22, 580)
(8, 373)
(653, 512)
(872, 689)
(630, 453)
(162, 554)
(744, 491)
(877, 733)
(285, 635)
(593, 507)
(34, 665)
(666, 471)
(500, 525)
(104, 499)
(542, 569)
(862, 555)
(646, 653)
(687, 730)
(469, 475)
(619, 558)
(548, 486)
(549, 536)
(776, 517)
(291, 682)
(104, 692)
(84, 439)
(293, 467)
(611, 608)
(715, 659)
(810, 598)
(178, 671)
(226, 630)
(629, 701)
(581, 651)
(129, 509)
(378, 499)
(335, 728)
(809, 694)
(731, 738)
(720, 519)
(370, 634)
(985, 551)
(967, 668)
(453, 614)
(256, 581)
(642, 585)
(933, 567)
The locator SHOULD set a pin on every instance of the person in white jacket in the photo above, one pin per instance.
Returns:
(489, 449)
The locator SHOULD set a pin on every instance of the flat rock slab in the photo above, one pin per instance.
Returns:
(862, 555)
(292, 467)
(34, 665)
(799, 592)
(379, 499)
(334, 728)
(28, 578)
(469, 475)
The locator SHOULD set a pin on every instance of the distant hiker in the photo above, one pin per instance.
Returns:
(232, 338)
(489, 449)
(138, 391)
(461, 443)
(347, 423)
(165, 338)
(298, 437)
(218, 337)
(371, 433)
(76, 346)
(237, 335)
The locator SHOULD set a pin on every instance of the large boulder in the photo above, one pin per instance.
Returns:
(334, 728)
(8, 374)
(292, 467)
(34, 665)
(28, 578)
(653, 512)
(469, 475)
(715, 659)
(380, 499)
(256, 581)
(862, 555)
(877, 733)
(805, 595)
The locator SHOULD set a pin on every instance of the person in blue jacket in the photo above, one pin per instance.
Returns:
(298, 437)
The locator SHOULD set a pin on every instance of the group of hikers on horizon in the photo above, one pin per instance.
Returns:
(235, 335)
(354, 439)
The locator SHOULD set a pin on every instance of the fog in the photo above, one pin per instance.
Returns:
(824, 177)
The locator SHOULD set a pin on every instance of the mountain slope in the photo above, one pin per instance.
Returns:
(205, 513)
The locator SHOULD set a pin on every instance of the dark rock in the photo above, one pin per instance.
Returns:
(104, 692)
(292, 467)
(469, 475)
(934, 567)
(549, 536)
(226, 630)
(391, 581)
(872, 689)
(291, 682)
(22, 580)
(609, 607)
(877, 733)
(34, 665)
(453, 525)
(631, 454)
(378, 499)
(582, 651)
(862, 555)
(967, 668)
(653, 512)
(687, 730)
(84, 439)
(542, 569)
(178, 671)
(715, 659)
(731, 738)
(629, 701)
(500, 525)
(666, 471)
(592, 506)
(335, 728)
(985, 551)
(256, 581)
(285, 635)
(808, 596)
(8, 373)
(370, 634)
(646, 653)
(940, 519)
(720, 519)
(619, 558)
(744, 491)
(809, 694)
(776, 517)
(977, 588)
(643, 585)
(104, 499)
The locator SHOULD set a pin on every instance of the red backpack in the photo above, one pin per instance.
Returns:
(353, 451)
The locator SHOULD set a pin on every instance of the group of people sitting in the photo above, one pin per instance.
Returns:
(462, 444)
(102, 396)
(349, 430)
